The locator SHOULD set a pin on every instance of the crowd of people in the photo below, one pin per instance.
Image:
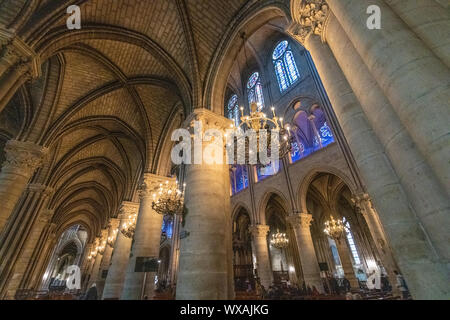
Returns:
(284, 290)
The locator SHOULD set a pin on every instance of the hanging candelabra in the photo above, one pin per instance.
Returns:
(279, 240)
(260, 124)
(334, 228)
(101, 249)
(112, 239)
(169, 199)
(129, 226)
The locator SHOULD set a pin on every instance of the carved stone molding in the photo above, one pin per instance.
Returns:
(309, 18)
(259, 230)
(40, 188)
(151, 183)
(300, 220)
(113, 224)
(23, 158)
(209, 120)
(14, 50)
(127, 209)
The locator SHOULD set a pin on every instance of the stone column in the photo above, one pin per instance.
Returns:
(27, 253)
(429, 21)
(415, 255)
(415, 81)
(259, 233)
(98, 259)
(18, 63)
(301, 224)
(365, 207)
(147, 240)
(426, 194)
(22, 159)
(204, 258)
(119, 262)
(346, 262)
(104, 266)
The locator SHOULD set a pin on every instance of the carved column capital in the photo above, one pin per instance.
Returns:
(209, 120)
(300, 220)
(363, 203)
(259, 230)
(16, 52)
(151, 183)
(23, 158)
(128, 209)
(309, 18)
(113, 224)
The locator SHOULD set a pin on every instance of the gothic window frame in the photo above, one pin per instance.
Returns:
(285, 66)
(255, 90)
(233, 109)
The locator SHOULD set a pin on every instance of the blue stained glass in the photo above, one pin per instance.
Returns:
(285, 66)
(282, 79)
(326, 135)
(259, 96)
(252, 80)
(280, 50)
(167, 226)
(251, 96)
(291, 66)
(238, 178)
(233, 109)
(264, 172)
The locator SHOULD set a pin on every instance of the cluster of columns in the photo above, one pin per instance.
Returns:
(389, 90)
(18, 64)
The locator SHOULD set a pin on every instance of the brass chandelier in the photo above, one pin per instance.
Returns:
(101, 249)
(129, 227)
(169, 199)
(260, 123)
(279, 240)
(334, 228)
(112, 239)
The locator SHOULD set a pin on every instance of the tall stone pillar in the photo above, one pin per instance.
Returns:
(22, 159)
(301, 224)
(416, 257)
(346, 262)
(104, 266)
(119, 262)
(204, 258)
(428, 197)
(415, 81)
(259, 233)
(40, 275)
(365, 207)
(24, 260)
(98, 258)
(418, 15)
(147, 240)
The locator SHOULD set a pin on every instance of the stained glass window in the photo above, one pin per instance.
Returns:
(238, 178)
(167, 226)
(272, 169)
(233, 109)
(255, 92)
(351, 243)
(311, 133)
(285, 66)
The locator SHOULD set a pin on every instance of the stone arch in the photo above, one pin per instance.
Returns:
(250, 21)
(303, 187)
(285, 203)
(237, 209)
